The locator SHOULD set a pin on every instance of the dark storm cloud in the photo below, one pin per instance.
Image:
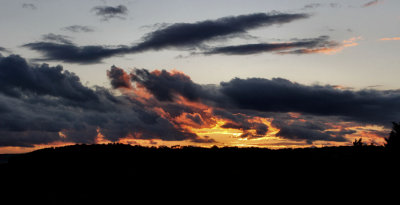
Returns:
(78, 29)
(18, 78)
(109, 12)
(310, 135)
(281, 95)
(37, 102)
(308, 130)
(247, 49)
(194, 34)
(178, 35)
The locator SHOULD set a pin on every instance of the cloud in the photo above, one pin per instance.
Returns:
(165, 85)
(328, 47)
(283, 48)
(29, 6)
(178, 36)
(17, 79)
(109, 12)
(40, 104)
(119, 78)
(245, 126)
(57, 38)
(303, 131)
(195, 34)
(71, 53)
(78, 29)
(372, 3)
(276, 95)
(312, 5)
(240, 101)
(319, 5)
(5, 50)
(390, 39)
(281, 95)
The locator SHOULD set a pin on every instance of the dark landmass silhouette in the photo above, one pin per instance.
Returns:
(120, 173)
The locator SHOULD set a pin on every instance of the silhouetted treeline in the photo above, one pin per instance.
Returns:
(393, 141)
(89, 174)
(144, 160)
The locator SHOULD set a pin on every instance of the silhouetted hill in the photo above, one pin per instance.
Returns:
(4, 158)
(113, 157)
(79, 174)
(141, 158)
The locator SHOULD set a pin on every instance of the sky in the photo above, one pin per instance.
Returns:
(262, 73)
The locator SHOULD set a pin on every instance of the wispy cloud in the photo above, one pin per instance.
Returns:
(5, 50)
(109, 12)
(329, 50)
(321, 42)
(78, 29)
(319, 5)
(345, 44)
(372, 3)
(390, 39)
(29, 6)
(57, 38)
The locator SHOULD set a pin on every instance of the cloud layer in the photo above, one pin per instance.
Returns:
(177, 36)
(40, 104)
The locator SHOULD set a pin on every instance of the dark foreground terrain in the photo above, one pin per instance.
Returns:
(117, 173)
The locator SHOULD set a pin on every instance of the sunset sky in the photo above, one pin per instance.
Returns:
(263, 73)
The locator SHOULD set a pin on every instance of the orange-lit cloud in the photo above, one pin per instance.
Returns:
(333, 50)
(390, 39)
(246, 130)
(329, 47)
(156, 108)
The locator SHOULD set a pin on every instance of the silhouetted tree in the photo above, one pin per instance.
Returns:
(392, 142)
(358, 143)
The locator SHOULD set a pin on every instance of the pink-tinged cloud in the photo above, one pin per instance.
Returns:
(329, 50)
